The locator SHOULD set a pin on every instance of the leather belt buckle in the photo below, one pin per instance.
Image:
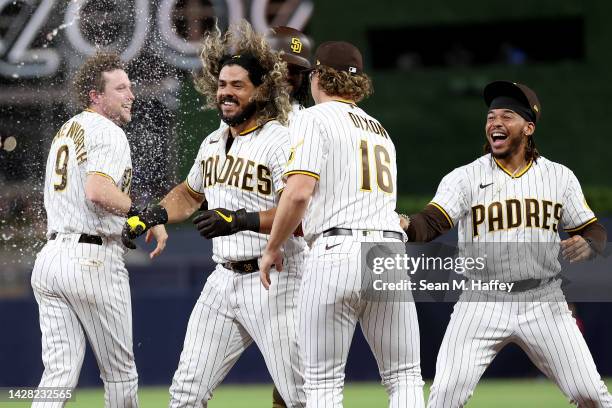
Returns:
(393, 235)
(249, 266)
(346, 231)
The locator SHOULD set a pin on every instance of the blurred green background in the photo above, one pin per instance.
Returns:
(435, 114)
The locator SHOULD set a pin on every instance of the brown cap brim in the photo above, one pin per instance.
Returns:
(520, 92)
(339, 55)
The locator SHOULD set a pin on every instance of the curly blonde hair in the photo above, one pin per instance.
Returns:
(89, 76)
(354, 87)
(272, 96)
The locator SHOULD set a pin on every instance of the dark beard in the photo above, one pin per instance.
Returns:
(514, 147)
(502, 155)
(246, 114)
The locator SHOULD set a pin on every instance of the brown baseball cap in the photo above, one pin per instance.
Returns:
(339, 55)
(503, 92)
(296, 45)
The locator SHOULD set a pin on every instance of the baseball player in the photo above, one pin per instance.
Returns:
(79, 278)
(337, 150)
(238, 172)
(296, 48)
(511, 204)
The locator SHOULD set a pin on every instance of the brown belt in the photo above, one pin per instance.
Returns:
(347, 231)
(528, 284)
(242, 266)
(83, 239)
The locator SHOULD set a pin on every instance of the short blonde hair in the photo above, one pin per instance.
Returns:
(354, 87)
(89, 76)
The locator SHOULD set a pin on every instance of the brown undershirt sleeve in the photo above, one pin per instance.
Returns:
(596, 234)
(427, 225)
(430, 223)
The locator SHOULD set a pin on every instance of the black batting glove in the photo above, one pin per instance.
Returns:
(138, 224)
(221, 222)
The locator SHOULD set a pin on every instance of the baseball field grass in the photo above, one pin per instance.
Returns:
(536, 393)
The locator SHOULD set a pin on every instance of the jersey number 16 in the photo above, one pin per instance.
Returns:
(382, 161)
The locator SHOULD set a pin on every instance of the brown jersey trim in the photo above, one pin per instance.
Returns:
(508, 172)
(596, 234)
(352, 103)
(250, 130)
(99, 173)
(575, 229)
(443, 211)
(195, 194)
(254, 128)
(305, 172)
(427, 224)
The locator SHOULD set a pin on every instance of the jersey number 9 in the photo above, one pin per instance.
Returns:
(61, 168)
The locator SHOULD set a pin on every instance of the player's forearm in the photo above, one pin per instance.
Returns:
(290, 210)
(289, 214)
(104, 193)
(266, 219)
(180, 203)
(596, 234)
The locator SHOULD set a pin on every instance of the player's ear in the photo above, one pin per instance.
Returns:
(94, 96)
(529, 128)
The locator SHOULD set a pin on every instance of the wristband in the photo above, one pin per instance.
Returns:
(247, 221)
(133, 210)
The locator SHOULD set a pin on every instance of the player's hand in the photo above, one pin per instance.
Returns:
(125, 238)
(161, 236)
(136, 225)
(268, 259)
(576, 249)
(220, 222)
(404, 222)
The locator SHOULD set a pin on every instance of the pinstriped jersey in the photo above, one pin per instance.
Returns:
(295, 109)
(492, 206)
(353, 158)
(87, 143)
(249, 176)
